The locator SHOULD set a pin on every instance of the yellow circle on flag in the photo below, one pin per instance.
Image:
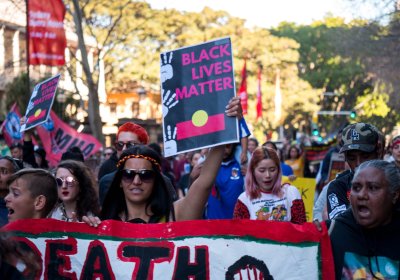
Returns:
(199, 118)
(37, 113)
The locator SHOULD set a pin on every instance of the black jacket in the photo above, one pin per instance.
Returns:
(338, 194)
(110, 165)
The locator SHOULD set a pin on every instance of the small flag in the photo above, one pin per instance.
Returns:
(243, 89)
(200, 124)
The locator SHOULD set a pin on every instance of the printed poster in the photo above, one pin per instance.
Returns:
(306, 187)
(205, 249)
(197, 83)
(40, 103)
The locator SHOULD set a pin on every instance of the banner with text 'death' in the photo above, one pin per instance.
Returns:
(197, 83)
(206, 249)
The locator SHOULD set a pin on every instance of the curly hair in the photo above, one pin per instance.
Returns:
(160, 200)
(87, 200)
(259, 154)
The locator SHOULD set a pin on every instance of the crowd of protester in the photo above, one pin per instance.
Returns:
(135, 183)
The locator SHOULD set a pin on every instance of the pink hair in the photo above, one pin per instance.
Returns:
(259, 154)
(136, 129)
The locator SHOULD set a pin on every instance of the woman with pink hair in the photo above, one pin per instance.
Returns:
(265, 198)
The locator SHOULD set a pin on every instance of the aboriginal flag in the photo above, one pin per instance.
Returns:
(200, 124)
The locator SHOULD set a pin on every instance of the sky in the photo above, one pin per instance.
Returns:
(268, 13)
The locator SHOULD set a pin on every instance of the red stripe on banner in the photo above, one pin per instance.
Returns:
(188, 129)
(273, 230)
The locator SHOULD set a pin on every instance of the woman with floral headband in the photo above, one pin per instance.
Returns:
(138, 192)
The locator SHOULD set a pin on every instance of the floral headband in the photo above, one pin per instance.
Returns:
(125, 158)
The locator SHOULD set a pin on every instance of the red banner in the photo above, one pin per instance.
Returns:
(47, 41)
(243, 89)
(57, 137)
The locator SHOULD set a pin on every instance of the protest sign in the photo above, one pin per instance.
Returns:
(197, 83)
(57, 137)
(224, 249)
(306, 187)
(336, 166)
(40, 103)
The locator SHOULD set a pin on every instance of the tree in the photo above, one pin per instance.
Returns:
(108, 22)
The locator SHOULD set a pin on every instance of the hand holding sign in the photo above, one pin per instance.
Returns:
(168, 102)
(170, 146)
(167, 72)
(40, 103)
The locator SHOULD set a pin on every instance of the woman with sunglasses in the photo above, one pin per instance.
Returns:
(265, 197)
(139, 194)
(76, 192)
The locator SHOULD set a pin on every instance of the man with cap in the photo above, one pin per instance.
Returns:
(360, 142)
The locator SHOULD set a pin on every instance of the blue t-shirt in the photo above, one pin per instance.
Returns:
(229, 184)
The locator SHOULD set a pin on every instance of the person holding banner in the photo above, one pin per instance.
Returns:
(365, 238)
(265, 197)
(139, 193)
(76, 192)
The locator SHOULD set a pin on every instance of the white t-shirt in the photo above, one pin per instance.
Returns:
(270, 207)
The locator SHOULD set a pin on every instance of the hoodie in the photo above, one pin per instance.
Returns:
(361, 253)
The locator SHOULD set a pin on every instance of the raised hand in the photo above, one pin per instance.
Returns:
(168, 101)
(170, 146)
(167, 72)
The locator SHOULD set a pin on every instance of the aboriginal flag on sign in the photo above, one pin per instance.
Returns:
(200, 124)
(197, 84)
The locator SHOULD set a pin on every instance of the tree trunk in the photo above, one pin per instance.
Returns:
(94, 104)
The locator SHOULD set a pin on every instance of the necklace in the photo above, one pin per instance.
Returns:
(64, 216)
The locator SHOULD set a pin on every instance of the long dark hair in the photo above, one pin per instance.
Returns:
(159, 202)
(87, 200)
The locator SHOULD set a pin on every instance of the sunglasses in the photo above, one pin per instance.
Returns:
(145, 175)
(107, 154)
(69, 181)
(119, 145)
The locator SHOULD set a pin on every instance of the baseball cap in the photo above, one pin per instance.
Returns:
(360, 136)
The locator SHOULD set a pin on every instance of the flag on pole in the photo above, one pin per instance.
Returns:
(259, 101)
(243, 89)
(46, 34)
